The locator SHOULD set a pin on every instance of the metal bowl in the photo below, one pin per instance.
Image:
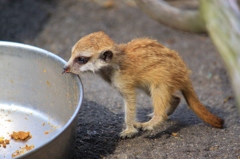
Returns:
(36, 97)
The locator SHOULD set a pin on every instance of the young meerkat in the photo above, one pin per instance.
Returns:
(141, 63)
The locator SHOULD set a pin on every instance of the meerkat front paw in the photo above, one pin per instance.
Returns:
(128, 133)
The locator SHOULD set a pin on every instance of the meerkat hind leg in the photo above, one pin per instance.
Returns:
(161, 98)
(175, 100)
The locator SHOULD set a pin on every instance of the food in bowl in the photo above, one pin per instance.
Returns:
(20, 135)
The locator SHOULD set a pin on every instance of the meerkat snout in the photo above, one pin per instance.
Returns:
(65, 69)
(94, 63)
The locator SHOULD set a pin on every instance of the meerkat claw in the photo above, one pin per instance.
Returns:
(128, 133)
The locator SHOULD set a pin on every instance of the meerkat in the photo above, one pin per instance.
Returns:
(141, 63)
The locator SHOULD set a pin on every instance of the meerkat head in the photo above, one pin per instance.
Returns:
(91, 53)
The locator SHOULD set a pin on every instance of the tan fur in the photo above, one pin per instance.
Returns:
(142, 63)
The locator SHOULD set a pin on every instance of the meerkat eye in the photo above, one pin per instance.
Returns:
(82, 59)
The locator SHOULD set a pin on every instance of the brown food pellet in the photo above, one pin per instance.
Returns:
(7, 141)
(48, 83)
(1, 140)
(20, 135)
(16, 153)
(174, 134)
(22, 150)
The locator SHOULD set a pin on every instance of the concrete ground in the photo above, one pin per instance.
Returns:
(55, 25)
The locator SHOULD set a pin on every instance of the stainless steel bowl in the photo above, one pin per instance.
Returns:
(36, 97)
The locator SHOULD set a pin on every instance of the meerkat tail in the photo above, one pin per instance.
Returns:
(201, 111)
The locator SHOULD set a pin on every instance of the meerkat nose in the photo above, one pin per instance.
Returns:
(66, 69)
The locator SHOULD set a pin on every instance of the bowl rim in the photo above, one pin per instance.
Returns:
(59, 60)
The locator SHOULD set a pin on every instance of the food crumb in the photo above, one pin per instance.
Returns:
(48, 83)
(109, 4)
(20, 135)
(1, 140)
(174, 134)
(46, 132)
(22, 150)
(7, 141)
(43, 124)
(4, 142)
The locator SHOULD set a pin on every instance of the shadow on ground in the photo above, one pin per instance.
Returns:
(98, 130)
(183, 117)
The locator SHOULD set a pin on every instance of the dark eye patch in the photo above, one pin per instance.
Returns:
(82, 59)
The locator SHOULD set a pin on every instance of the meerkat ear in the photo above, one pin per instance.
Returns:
(106, 56)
